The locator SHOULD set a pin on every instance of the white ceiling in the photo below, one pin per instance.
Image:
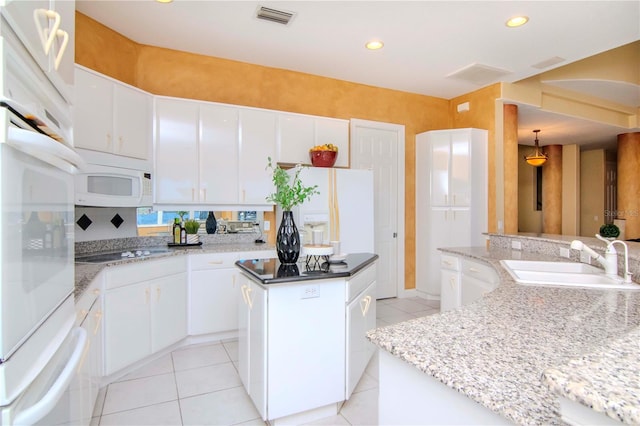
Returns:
(425, 42)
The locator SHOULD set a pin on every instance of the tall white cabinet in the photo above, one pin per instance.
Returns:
(451, 198)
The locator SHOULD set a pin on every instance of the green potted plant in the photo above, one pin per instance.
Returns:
(192, 226)
(289, 193)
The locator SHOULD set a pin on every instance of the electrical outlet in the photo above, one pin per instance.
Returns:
(564, 252)
(267, 225)
(516, 245)
(310, 291)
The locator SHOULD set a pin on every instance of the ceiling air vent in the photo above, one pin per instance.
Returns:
(479, 74)
(274, 15)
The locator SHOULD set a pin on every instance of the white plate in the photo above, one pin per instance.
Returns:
(337, 258)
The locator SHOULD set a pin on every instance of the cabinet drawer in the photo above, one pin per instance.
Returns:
(200, 262)
(146, 270)
(360, 281)
(89, 296)
(479, 271)
(449, 262)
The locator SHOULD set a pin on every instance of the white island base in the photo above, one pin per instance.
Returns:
(407, 396)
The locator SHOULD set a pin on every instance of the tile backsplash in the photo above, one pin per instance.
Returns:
(102, 223)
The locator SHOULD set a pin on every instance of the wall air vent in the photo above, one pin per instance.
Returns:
(479, 74)
(274, 15)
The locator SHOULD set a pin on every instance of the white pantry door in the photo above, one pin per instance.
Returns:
(380, 147)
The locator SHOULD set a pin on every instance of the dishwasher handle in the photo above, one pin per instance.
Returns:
(41, 408)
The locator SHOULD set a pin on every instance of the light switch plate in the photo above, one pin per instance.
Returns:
(585, 258)
(564, 252)
(516, 245)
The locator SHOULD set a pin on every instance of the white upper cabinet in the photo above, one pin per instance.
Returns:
(111, 117)
(257, 144)
(450, 168)
(176, 151)
(219, 156)
(47, 29)
(297, 133)
(196, 153)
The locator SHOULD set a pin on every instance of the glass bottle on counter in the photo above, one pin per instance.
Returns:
(177, 230)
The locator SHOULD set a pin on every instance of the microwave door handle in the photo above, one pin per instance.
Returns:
(45, 148)
(44, 406)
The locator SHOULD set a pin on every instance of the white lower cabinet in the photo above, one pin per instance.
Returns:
(88, 379)
(463, 281)
(146, 310)
(213, 293)
(252, 342)
(449, 282)
(292, 346)
(478, 279)
(361, 317)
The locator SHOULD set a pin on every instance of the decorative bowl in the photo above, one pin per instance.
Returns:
(323, 158)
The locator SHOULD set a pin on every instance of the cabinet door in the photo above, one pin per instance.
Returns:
(449, 290)
(132, 122)
(213, 304)
(459, 179)
(93, 112)
(127, 326)
(296, 136)
(168, 310)
(219, 156)
(361, 317)
(20, 15)
(176, 155)
(257, 143)
(257, 298)
(473, 289)
(440, 157)
(243, 331)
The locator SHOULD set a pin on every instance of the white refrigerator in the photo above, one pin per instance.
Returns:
(343, 209)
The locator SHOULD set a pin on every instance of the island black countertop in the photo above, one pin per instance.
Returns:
(272, 271)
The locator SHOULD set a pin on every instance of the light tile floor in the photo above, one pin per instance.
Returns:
(199, 384)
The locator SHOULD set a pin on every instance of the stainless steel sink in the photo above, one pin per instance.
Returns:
(566, 274)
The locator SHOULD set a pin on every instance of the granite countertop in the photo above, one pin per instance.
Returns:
(86, 272)
(496, 350)
(268, 272)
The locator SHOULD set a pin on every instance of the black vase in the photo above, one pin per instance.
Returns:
(211, 225)
(288, 240)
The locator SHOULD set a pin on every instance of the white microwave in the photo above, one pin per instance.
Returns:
(107, 186)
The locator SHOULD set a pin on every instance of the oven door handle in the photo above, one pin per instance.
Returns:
(45, 148)
(41, 408)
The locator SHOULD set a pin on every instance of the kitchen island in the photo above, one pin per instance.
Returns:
(489, 357)
(302, 343)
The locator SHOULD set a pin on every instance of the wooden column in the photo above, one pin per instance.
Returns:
(510, 152)
(552, 191)
(629, 183)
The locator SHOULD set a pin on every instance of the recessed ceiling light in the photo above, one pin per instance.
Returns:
(374, 45)
(164, 1)
(517, 21)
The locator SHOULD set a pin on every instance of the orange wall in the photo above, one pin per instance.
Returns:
(186, 75)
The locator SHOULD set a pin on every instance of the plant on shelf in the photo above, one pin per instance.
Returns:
(192, 226)
(289, 193)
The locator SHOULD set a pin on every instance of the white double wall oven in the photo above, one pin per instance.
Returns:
(40, 349)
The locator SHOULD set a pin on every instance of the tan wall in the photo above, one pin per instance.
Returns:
(529, 219)
(481, 115)
(180, 74)
(592, 191)
(570, 189)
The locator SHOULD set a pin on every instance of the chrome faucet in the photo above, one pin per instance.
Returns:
(610, 260)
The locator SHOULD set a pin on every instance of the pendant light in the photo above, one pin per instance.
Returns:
(537, 158)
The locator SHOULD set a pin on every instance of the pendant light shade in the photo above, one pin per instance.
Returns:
(537, 158)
